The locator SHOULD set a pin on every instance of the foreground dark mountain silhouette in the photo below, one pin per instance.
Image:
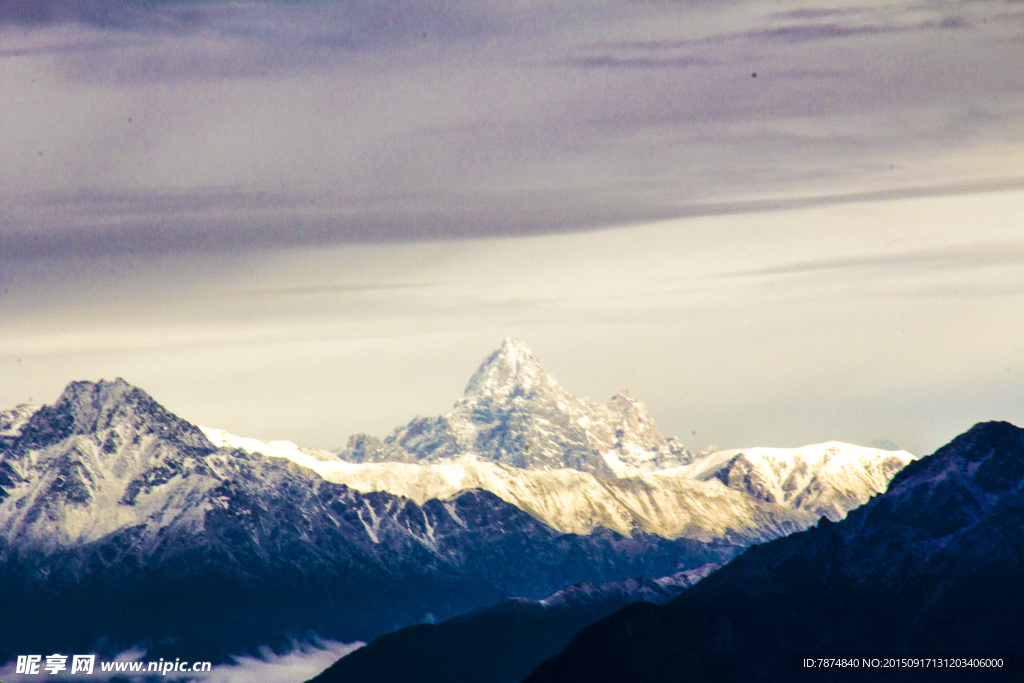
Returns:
(501, 643)
(934, 567)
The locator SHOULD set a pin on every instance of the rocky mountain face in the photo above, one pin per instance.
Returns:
(121, 525)
(931, 568)
(672, 505)
(579, 465)
(13, 420)
(668, 503)
(501, 643)
(515, 413)
(827, 479)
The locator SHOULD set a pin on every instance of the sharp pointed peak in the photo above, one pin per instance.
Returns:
(512, 353)
(87, 407)
(512, 365)
(511, 346)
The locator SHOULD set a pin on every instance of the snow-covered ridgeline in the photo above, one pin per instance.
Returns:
(828, 479)
(658, 590)
(303, 455)
(570, 462)
(568, 500)
(692, 501)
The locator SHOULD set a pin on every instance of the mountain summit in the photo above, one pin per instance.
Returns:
(515, 413)
(108, 407)
(578, 464)
(509, 371)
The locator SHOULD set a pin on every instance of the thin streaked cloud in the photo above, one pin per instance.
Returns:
(960, 257)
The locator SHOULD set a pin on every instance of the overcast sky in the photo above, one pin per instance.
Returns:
(776, 223)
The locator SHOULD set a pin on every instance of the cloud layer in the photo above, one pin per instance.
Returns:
(342, 207)
(337, 122)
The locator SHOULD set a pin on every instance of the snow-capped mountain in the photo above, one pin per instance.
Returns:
(825, 479)
(92, 464)
(578, 465)
(931, 568)
(501, 643)
(515, 413)
(671, 505)
(121, 524)
(779, 490)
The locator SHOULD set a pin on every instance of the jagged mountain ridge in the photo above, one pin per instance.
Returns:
(578, 465)
(827, 479)
(931, 568)
(515, 413)
(501, 643)
(698, 501)
(668, 505)
(113, 510)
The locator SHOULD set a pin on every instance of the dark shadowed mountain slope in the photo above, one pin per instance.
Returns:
(933, 567)
(122, 525)
(501, 643)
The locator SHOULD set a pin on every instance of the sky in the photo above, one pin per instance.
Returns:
(775, 223)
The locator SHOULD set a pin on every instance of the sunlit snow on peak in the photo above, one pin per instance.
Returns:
(511, 367)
